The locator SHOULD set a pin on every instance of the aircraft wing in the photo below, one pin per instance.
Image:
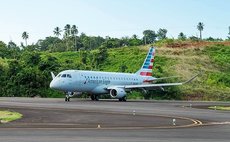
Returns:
(153, 85)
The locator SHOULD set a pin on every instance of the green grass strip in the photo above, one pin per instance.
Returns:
(220, 107)
(7, 116)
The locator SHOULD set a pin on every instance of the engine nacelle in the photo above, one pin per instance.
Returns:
(117, 93)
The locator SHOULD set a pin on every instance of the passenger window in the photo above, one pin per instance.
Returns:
(64, 75)
(69, 76)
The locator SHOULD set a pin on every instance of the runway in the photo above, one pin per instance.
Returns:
(110, 120)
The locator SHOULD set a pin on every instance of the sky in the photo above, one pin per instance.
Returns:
(114, 18)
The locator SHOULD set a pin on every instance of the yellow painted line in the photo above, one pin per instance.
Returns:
(195, 122)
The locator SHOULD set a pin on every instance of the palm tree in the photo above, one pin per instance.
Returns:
(200, 27)
(25, 36)
(74, 32)
(67, 30)
(57, 31)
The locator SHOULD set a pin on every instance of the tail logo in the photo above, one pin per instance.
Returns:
(146, 69)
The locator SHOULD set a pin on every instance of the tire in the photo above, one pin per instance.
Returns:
(92, 97)
(96, 97)
(123, 99)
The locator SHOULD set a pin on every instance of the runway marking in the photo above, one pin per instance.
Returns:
(193, 124)
(217, 123)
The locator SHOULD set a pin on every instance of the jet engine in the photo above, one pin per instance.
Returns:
(117, 93)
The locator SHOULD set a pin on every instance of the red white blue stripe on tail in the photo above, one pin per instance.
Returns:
(146, 69)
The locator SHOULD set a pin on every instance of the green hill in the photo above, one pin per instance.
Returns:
(212, 61)
(184, 62)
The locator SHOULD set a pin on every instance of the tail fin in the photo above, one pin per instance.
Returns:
(52, 74)
(146, 69)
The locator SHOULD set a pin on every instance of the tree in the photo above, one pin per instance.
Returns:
(67, 30)
(149, 36)
(14, 49)
(25, 36)
(31, 58)
(84, 57)
(74, 32)
(100, 56)
(4, 51)
(182, 36)
(134, 36)
(161, 34)
(134, 41)
(12, 45)
(48, 43)
(57, 31)
(194, 38)
(200, 27)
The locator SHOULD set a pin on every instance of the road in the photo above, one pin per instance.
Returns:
(109, 120)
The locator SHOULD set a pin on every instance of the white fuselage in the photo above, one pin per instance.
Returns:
(94, 82)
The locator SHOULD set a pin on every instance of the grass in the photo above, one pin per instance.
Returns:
(185, 62)
(220, 108)
(7, 116)
(183, 59)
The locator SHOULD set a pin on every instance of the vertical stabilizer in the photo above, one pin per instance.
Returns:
(146, 69)
(52, 74)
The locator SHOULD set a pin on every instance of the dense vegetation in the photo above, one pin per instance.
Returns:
(27, 73)
(25, 69)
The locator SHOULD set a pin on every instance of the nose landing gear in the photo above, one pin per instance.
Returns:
(68, 96)
(94, 97)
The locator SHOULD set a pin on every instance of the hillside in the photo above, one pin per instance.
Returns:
(212, 61)
(31, 73)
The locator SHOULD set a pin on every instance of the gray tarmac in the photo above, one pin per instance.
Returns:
(109, 120)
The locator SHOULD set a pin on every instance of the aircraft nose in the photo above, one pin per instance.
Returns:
(53, 85)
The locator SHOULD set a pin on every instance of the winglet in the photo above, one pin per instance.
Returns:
(191, 78)
(52, 74)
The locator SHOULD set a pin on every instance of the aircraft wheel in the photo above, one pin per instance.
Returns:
(96, 98)
(92, 97)
(66, 99)
(124, 99)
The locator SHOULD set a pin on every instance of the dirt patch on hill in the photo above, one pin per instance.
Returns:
(195, 44)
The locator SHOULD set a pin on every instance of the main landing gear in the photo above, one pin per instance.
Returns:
(123, 99)
(94, 97)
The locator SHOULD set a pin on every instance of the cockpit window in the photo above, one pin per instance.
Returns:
(69, 76)
(64, 75)
(59, 75)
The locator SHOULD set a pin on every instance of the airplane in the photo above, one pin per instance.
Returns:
(95, 83)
